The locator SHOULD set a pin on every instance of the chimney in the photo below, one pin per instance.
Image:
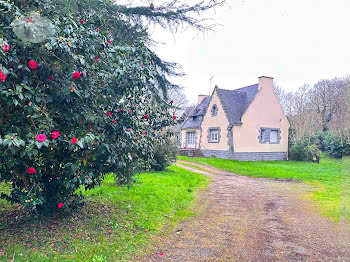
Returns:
(201, 98)
(265, 82)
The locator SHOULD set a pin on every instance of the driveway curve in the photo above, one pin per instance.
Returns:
(241, 218)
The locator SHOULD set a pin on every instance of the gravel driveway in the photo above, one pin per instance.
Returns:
(241, 218)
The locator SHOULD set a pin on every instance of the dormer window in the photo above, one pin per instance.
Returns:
(214, 110)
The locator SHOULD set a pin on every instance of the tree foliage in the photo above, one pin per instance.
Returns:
(88, 101)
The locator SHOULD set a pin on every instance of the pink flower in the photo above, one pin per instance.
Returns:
(55, 134)
(109, 114)
(175, 117)
(2, 76)
(96, 58)
(60, 205)
(32, 64)
(97, 29)
(6, 48)
(50, 78)
(41, 138)
(82, 21)
(114, 121)
(74, 140)
(31, 171)
(130, 111)
(144, 133)
(109, 42)
(76, 75)
(145, 116)
(161, 255)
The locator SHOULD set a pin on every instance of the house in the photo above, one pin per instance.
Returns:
(245, 124)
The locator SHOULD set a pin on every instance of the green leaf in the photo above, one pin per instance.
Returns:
(79, 143)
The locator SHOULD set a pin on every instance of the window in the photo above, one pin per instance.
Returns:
(191, 139)
(273, 136)
(178, 139)
(269, 135)
(214, 135)
(214, 110)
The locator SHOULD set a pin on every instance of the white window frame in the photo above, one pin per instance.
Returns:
(214, 135)
(191, 139)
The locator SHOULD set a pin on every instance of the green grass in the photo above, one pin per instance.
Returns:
(345, 190)
(193, 166)
(325, 176)
(117, 223)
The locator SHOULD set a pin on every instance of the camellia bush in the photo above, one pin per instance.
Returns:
(76, 106)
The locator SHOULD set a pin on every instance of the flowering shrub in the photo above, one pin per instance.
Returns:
(67, 118)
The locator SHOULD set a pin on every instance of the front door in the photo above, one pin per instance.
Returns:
(191, 140)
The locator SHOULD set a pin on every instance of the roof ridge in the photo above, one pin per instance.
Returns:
(238, 89)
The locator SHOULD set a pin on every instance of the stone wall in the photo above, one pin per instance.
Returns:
(246, 156)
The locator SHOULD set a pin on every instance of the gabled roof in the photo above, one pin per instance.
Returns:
(199, 110)
(235, 102)
(184, 115)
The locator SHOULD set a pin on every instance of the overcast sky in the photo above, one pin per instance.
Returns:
(294, 41)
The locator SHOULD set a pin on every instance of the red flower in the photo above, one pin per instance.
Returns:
(74, 140)
(114, 121)
(82, 21)
(60, 205)
(161, 255)
(55, 134)
(172, 101)
(6, 48)
(97, 29)
(41, 138)
(32, 64)
(2, 76)
(145, 116)
(109, 42)
(97, 58)
(76, 75)
(109, 114)
(144, 133)
(50, 78)
(31, 171)
(175, 117)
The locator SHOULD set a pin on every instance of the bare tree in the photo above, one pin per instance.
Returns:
(328, 98)
(180, 102)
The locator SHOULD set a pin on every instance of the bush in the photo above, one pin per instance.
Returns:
(297, 151)
(332, 144)
(74, 107)
(164, 155)
(346, 143)
(300, 151)
(312, 153)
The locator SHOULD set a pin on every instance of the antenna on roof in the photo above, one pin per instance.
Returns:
(210, 84)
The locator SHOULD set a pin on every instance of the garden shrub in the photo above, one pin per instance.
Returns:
(332, 144)
(76, 106)
(346, 142)
(164, 155)
(297, 151)
(313, 154)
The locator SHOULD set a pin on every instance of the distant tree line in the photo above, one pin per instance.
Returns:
(320, 118)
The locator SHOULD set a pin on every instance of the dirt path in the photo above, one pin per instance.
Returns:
(252, 219)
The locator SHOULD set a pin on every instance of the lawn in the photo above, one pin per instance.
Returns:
(325, 176)
(117, 223)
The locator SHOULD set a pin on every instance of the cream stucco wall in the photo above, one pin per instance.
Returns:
(264, 111)
(183, 136)
(219, 120)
